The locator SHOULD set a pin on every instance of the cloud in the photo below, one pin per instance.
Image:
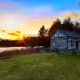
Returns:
(11, 20)
(67, 14)
(8, 7)
(43, 11)
(4, 31)
(13, 34)
(26, 13)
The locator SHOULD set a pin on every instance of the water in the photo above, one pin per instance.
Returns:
(2, 49)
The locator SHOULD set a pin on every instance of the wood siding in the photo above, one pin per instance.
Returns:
(61, 41)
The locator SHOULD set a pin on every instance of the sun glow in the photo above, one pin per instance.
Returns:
(16, 35)
(8, 21)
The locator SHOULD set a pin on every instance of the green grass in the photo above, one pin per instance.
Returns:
(47, 66)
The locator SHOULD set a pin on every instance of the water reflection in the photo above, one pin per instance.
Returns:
(2, 49)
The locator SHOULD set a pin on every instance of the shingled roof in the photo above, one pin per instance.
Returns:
(70, 33)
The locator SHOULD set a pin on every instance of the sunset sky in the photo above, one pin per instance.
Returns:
(27, 16)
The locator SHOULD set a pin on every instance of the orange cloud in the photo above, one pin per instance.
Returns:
(2, 30)
(10, 35)
(72, 15)
(13, 34)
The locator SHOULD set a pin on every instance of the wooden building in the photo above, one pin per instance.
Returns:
(63, 39)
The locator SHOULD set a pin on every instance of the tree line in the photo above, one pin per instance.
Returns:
(67, 24)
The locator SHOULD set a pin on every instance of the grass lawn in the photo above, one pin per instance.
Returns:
(47, 66)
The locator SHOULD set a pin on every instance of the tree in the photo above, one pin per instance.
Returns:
(68, 24)
(56, 25)
(77, 25)
(43, 39)
(42, 31)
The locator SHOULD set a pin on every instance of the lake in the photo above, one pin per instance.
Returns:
(2, 49)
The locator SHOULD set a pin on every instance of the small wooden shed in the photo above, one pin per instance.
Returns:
(63, 39)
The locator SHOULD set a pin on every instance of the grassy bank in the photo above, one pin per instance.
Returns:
(47, 66)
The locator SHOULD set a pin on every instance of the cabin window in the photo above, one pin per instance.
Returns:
(72, 43)
(53, 43)
(56, 35)
(60, 35)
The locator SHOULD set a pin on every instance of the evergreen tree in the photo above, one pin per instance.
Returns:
(42, 31)
(56, 25)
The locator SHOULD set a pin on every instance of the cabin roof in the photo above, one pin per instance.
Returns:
(69, 33)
